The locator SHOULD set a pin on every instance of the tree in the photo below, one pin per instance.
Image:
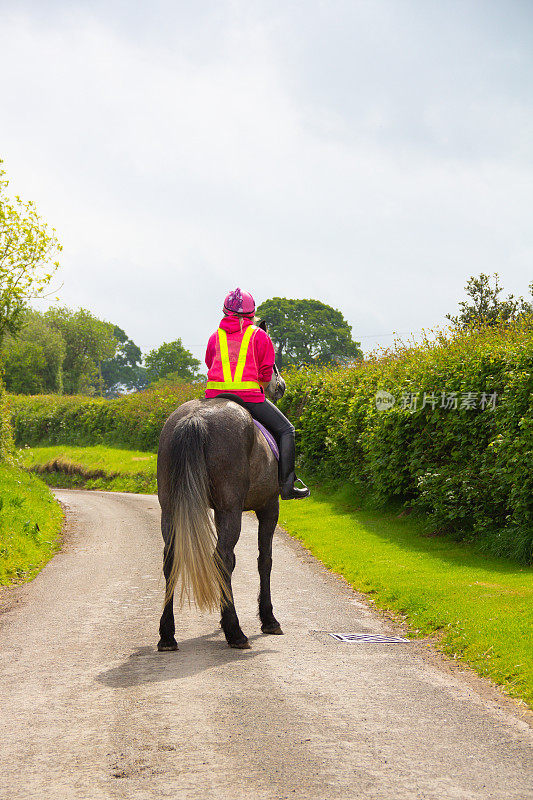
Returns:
(88, 342)
(75, 341)
(123, 370)
(485, 307)
(27, 251)
(172, 358)
(308, 332)
(33, 359)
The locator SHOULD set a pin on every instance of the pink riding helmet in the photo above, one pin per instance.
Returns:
(238, 302)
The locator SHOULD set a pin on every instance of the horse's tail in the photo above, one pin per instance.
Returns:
(195, 561)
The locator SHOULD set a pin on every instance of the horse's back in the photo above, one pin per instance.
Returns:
(240, 465)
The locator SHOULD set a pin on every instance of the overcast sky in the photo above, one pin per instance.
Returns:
(371, 154)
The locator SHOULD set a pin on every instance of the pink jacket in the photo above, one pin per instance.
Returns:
(259, 361)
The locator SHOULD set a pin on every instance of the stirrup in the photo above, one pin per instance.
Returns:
(290, 492)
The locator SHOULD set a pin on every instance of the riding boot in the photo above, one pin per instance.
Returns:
(287, 476)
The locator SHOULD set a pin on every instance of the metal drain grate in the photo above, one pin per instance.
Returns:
(354, 638)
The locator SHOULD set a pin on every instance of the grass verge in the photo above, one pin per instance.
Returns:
(98, 467)
(30, 524)
(477, 608)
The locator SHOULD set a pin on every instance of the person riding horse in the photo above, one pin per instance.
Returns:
(240, 358)
(213, 464)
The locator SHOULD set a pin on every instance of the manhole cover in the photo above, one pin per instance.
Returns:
(354, 638)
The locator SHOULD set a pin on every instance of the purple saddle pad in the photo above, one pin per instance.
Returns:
(270, 439)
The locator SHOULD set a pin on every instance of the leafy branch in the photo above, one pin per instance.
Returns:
(28, 257)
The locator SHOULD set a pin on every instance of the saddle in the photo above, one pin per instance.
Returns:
(261, 428)
(270, 439)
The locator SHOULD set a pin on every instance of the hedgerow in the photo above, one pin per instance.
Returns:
(30, 518)
(469, 469)
(133, 421)
(6, 433)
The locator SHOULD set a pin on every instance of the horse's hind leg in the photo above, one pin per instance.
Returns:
(268, 517)
(166, 625)
(228, 524)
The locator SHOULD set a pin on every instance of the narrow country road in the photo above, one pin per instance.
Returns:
(90, 710)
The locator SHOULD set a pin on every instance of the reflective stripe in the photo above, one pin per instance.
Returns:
(224, 355)
(229, 385)
(243, 352)
(234, 382)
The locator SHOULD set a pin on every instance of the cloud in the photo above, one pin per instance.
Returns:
(177, 166)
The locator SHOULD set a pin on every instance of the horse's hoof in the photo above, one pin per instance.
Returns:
(273, 630)
(164, 647)
(240, 645)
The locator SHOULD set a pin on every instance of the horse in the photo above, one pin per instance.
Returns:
(212, 457)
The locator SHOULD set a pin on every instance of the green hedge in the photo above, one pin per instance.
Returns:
(133, 421)
(6, 433)
(30, 518)
(469, 469)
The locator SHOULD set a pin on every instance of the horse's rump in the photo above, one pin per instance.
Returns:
(210, 454)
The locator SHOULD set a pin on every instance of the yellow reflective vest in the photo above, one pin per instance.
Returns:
(220, 371)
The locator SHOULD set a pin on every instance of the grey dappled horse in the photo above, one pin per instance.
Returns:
(212, 456)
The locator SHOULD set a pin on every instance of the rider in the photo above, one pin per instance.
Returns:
(240, 360)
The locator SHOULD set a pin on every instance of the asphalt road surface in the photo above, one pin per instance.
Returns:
(89, 709)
